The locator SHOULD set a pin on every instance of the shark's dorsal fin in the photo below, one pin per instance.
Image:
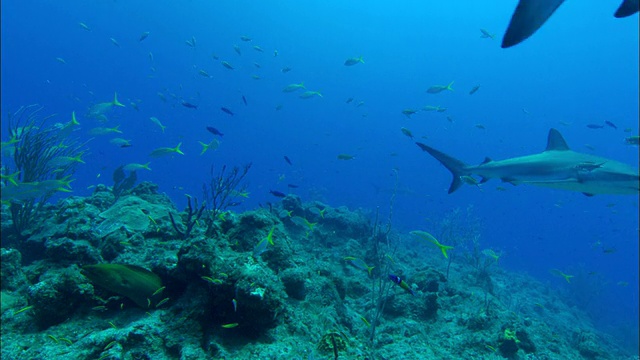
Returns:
(486, 160)
(555, 141)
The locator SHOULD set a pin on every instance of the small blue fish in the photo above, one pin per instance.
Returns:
(277, 193)
(189, 105)
(143, 36)
(214, 131)
(396, 279)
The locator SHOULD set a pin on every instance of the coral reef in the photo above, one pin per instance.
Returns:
(269, 283)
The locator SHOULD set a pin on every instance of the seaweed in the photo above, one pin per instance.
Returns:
(221, 190)
(121, 182)
(333, 342)
(193, 215)
(380, 286)
(36, 145)
(461, 229)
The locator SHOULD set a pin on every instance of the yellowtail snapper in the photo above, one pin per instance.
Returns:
(439, 88)
(359, 263)
(353, 61)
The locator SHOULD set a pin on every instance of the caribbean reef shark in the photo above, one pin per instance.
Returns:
(530, 15)
(557, 167)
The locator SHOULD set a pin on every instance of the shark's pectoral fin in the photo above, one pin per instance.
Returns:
(627, 8)
(509, 180)
(581, 178)
(484, 180)
(587, 194)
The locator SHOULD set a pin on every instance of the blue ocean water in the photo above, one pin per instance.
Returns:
(581, 68)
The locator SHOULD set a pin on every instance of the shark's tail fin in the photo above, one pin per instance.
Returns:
(527, 19)
(457, 167)
(627, 8)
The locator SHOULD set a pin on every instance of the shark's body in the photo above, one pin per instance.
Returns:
(530, 15)
(557, 167)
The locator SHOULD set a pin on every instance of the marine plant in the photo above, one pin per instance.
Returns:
(461, 229)
(333, 342)
(193, 215)
(40, 159)
(586, 287)
(509, 343)
(122, 182)
(221, 191)
(510, 335)
(482, 262)
(383, 247)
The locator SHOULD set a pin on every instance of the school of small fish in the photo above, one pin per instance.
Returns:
(101, 116)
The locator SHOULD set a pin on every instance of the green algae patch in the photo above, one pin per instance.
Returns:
(134, 282)
(9, 300)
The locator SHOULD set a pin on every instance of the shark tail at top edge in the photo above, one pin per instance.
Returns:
(627, 8)
(527, 18)
(457, 167)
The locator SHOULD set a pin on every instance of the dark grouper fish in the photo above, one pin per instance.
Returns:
(557, 167)
(530, 15)
(134, 282)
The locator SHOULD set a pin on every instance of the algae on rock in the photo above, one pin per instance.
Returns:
(132, 213)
